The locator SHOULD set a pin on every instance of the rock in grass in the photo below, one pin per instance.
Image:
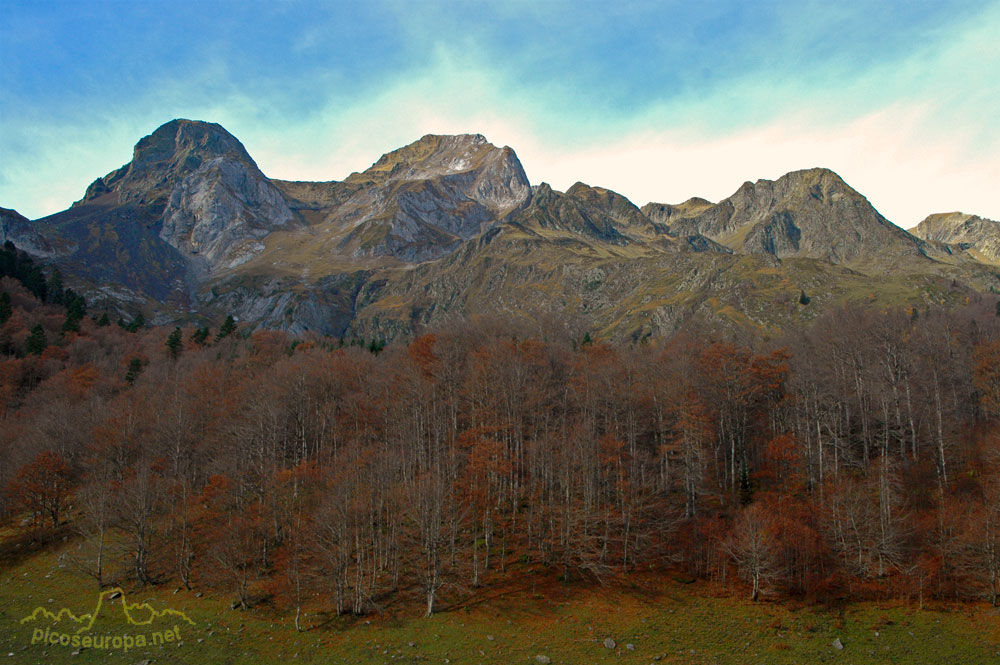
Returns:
(610, 643)
(837, 644)
(544, 660)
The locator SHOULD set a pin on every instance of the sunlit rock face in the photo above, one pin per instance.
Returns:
(976, 235)
(811, 213)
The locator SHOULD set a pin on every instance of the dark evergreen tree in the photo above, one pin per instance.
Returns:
(175, 344)
(103, 320)
(34, 280)
(19, 265)
(71, 324)
(6, 310)
(36, 341)
(804, 299)
(227, 329)
(134, 370)
(200, 336)
(55, 288)
(8, 256)
(75, 303)
(138, 322)
(76, 308)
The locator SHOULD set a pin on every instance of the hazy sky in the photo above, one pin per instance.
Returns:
(660, 101)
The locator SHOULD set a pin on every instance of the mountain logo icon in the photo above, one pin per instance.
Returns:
(136, 614)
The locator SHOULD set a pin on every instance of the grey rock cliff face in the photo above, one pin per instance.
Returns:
(811, 213)
(221, 209)
(199, 179)
(969, 233)
(162, 159)
(582, 210)
(16, 228)
(666, 214)
(419, 202)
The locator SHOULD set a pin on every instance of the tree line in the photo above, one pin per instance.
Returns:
(859, 457)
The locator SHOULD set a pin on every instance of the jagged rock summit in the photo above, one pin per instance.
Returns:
(200, 181)
(416, 203)
(811, 213)
(18, 229)
(976, 235)
(164, 158)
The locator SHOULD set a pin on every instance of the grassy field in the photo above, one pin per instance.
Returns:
(664, 621)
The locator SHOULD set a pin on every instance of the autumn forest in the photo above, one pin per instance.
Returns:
(859, 457)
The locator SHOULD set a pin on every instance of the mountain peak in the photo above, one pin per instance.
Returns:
(188, 136)
(823, 178)
(610, 203)
(436, 155)
(816, 172)
(948, 221)
(665, 213)
(810, 212)
(164, 157)
(978, 235)
(472, 139)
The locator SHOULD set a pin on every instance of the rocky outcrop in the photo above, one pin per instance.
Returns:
(16, 228)
(976, 235)
(599, 215)
(811, 213)
(206, 190)
(419, 202)
(665, 213)
(222, 210)
(612, 207)
(164, 158)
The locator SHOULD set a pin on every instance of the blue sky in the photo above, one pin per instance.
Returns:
(658, 100)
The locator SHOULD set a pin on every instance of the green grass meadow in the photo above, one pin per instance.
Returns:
(664, 621)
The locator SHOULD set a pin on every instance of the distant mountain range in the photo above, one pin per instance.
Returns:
(192, 230)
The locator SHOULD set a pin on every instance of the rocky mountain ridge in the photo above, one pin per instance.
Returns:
(811, 213)
(450, 226)
(975, 235)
